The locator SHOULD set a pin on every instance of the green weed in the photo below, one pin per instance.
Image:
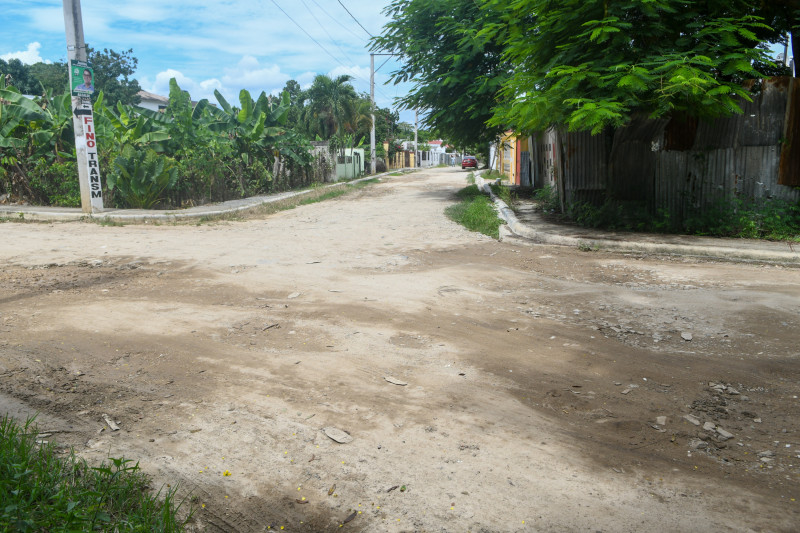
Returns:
(41, 491)
(764, 219)
(547, 198)
(475, 212)
(503, 192)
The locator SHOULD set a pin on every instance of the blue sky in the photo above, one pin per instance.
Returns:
(214, 44)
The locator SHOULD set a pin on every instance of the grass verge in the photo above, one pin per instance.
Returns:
(40, 491)
(475, 212)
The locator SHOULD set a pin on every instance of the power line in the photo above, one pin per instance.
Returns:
(336, 20)
(308, 34)
(322, 47)
(326, 33)
(351, 15)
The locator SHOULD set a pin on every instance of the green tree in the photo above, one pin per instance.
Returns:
(113, 74)
(327, 102)
(783, 16)
(296, 98)
(456, 70)
(16, 73)
(54, 77)
(590, 64)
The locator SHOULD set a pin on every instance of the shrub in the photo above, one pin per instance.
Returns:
(141, 176)
(55, 183)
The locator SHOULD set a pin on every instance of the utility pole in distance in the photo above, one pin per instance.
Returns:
(372, 107)
(373, 168)
(82, 117)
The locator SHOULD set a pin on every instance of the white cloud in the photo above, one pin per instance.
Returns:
(360, 73)
(29, 56)
(248, 74)
(251, 75)
(47, 20)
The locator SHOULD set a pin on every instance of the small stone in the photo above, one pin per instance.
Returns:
(686, 336)
(724, 435)
(766, 453)
(757, 420)
(626, 391)
(732, 391)
(692, 419)
(698, 444)
(709, 426)
(293, 295)
(338, 435)
(617, 383)
(661, 420)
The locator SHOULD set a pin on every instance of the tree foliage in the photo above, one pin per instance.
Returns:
(113, 74)
(484, 66)
(589, 64)
(456, 70)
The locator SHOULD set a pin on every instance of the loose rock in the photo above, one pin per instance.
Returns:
(338, 435)
(724, 435)
(692, 419)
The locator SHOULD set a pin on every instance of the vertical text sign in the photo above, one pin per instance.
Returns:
(86, 141)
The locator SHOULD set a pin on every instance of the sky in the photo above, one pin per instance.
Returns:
(226, 45)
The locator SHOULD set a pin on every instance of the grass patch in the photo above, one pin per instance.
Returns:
(475, 212)
(503, 192)
(40, 491)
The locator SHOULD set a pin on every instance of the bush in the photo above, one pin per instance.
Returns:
(547, 198)
(141, 177)
(55, 183)
(765, 219)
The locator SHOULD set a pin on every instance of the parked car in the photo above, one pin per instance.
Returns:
(469, 161)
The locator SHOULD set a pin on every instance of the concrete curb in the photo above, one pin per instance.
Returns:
(33, 213)
(714, 252)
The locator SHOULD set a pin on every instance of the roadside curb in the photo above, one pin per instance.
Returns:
(722, 252)
(39, 214)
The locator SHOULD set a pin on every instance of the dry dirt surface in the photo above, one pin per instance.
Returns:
(478, 385)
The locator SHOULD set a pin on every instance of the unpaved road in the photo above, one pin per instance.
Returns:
(534, 375)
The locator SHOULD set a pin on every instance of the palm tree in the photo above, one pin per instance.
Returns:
(329, 99)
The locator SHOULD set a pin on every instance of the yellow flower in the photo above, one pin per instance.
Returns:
(226, 473)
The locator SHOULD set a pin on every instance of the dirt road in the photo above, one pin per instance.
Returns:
(484, 386)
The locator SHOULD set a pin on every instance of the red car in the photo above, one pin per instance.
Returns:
(469, 161)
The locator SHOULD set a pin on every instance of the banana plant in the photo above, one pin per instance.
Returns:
(40, 128)
(130, 126)
(142, 176)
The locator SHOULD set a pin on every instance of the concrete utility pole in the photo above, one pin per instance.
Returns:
(372, 111)
(82, 118)
(416, 127)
